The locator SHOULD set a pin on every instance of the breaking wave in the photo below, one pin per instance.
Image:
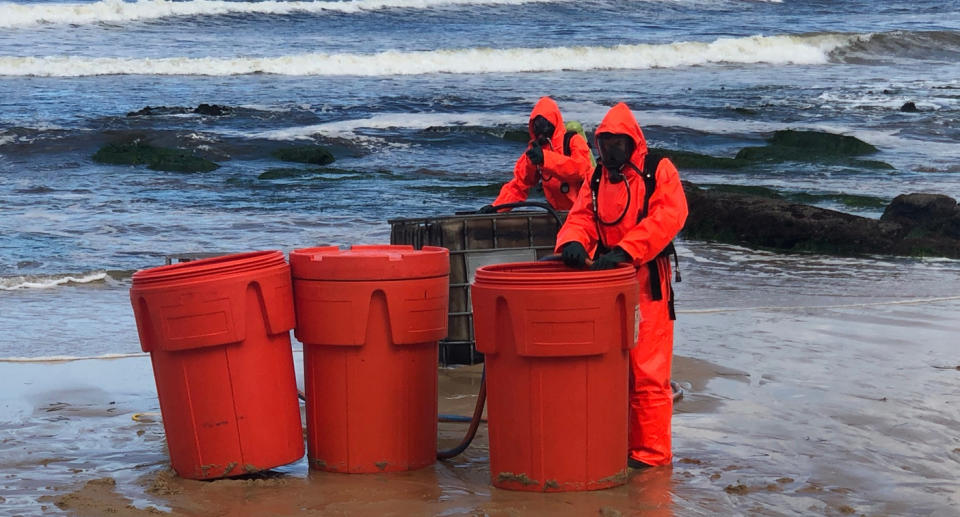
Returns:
(15, 283)
(66, 358)
(776, 50)
(115, 11)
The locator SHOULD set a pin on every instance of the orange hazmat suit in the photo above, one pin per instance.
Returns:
(613, 215)
(562, 175)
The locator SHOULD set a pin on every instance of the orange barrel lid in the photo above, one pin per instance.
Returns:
(209, 268)
(546, 274)
(377, 262)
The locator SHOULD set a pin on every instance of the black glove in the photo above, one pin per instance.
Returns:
(487, 209)
(611, 259)
(535, 154)
(574, 254)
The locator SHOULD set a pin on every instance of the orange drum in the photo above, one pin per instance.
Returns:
(218, 333)
(370, 318)
(556, 342)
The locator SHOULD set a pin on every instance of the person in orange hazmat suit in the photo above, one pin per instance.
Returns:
(629, 211)
(555, 157)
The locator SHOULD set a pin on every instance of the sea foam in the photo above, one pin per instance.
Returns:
(775, 50)
(118, 11)
(14, 283)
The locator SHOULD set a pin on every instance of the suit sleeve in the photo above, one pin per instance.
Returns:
(517, 189)
(666, 215)
(580, 225)
(572, 169)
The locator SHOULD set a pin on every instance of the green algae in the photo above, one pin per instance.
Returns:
(691, 160)
(488, 190)
(813, 147)
(510, 477)
(137, 152)
(315, 154)
(850, 200)
(752, 190)
(821, 142)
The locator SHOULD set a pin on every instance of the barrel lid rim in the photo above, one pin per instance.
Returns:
(369, 262)
(208, 268)
(509, 272)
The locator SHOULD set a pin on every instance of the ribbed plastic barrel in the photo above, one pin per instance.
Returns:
(370, 318)
(218, 333)
(556, 344)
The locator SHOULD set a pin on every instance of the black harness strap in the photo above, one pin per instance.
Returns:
(566, 142)
(564, 186)
(649, 176)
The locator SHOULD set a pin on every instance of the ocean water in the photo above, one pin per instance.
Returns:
(414, 98)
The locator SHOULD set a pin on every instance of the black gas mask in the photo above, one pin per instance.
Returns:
(542, 130)
(615, 151)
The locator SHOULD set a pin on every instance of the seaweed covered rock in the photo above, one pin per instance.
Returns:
(785, 146)
(150, 111)
(909, 107)
(850, 200)
(691, 160)
(917, 224)
(214, 110)
(822, 143)
(315, 154)
(925, 214)
(753, 190)
(489, 190)
(137, 152)
(813, 146)
(767, 222)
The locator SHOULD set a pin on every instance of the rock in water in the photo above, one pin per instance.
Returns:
(813, 147)
(314, 154)
(213, 110)
(909, 107)
(913, 224)
(136, 152)
(925, 215)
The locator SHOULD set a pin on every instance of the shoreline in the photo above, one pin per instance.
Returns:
(827, 411)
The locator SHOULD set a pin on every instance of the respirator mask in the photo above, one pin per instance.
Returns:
(615, 151)
(542, 130)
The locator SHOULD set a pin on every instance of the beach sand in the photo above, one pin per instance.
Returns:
(825, 411)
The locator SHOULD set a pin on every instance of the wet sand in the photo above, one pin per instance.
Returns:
(827, 411)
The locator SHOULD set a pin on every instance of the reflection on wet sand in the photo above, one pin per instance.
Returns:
(835, 411)
(114, 464)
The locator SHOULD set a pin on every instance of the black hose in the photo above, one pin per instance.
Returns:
(538, 204)
(474, 422)
(677, 392)
(456, 419)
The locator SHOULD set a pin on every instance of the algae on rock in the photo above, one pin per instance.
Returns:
(136, 152)
(315, 154)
